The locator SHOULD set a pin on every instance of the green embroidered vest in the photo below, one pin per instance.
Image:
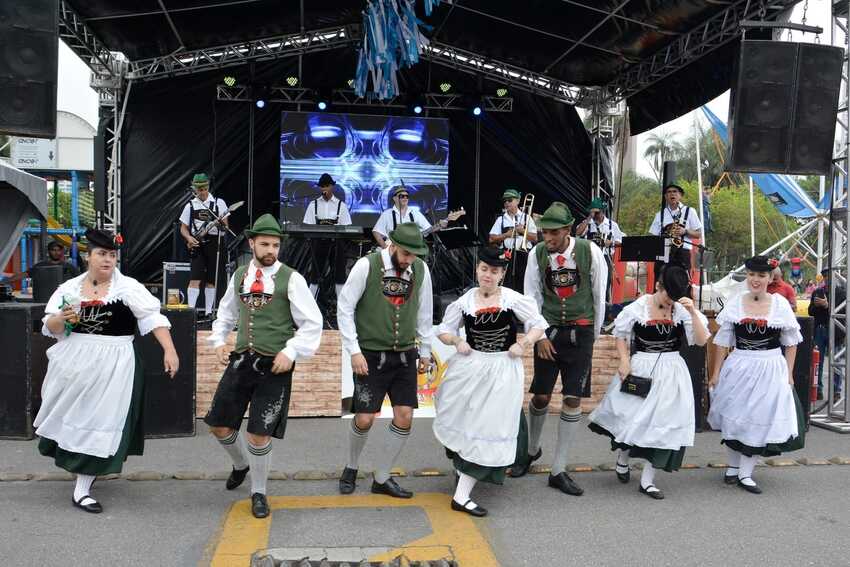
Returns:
(577, 291)
(382, 325)
(265, 321)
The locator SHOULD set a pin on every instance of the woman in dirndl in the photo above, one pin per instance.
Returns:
(479, 401)
(753, 403)
(658, 427)
(91, 411)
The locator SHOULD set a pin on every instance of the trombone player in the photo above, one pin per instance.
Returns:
(515, 231)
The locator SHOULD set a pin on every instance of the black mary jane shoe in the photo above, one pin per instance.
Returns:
(521, 469)
(347, 481)
(477, 511)
(92, 507)
(751, 488)
(623, 477)
(654, 494)
(390, 488)
(259, 505)
(730, 478)
(565, 484)
(237, 477)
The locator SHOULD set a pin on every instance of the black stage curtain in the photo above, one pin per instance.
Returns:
(174, 128)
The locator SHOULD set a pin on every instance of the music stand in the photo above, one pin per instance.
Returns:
(641, 249)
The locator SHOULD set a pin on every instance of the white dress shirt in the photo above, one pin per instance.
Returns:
(385, 222)
(353, 290)
(326, 210)
(195, 204)
(507, 221)
(305, 312)
(691, 224)
(598, 278)
(610, 231)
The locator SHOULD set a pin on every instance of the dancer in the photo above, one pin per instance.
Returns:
(479, 401)
(658, 426)
(753, 403)
(566, 276)
(385, 306)
(90, 418)
(279, 323)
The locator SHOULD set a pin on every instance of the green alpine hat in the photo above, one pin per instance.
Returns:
(597, 203)
(408, 236)
(200, 179)
(558, 215)
(510, 194)
(266, 225)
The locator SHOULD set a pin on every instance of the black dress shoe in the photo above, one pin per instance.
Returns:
(623, 477)
(92, 507)
(237, 476)
(565, 484)
(390, 488)
(654, 494)
(752, 488)
(477, 511)
(259, 505)
(347, 481)
(521, 469)
(730, 478)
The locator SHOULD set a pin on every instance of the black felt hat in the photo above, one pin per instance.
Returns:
(758, 264)
(492, 256)
(675, 186)
(326, 180)
(100, 239)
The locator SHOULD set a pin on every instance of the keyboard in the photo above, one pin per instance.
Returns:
(348, 232)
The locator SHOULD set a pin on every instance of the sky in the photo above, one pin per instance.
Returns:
(74, 94)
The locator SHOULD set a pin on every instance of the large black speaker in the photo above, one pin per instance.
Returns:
(695, 360)
(668, 175)
(29, 35)
(170, 402)
(803, 363)
(783, 105)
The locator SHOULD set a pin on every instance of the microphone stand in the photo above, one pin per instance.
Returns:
(218, 221)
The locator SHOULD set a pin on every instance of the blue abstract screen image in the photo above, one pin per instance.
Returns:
(367, 156)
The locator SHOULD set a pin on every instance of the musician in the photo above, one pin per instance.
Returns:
(398, 214)
(676, 221)
(507, 233)
(197, 214)
(603, 232)
(326, 210)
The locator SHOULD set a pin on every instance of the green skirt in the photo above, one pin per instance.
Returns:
(666, 459)
(493, 475)
(132, 438)
(773, 449)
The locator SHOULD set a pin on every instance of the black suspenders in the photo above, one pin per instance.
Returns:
(395, 223)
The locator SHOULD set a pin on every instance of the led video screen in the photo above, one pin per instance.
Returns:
(367, 156)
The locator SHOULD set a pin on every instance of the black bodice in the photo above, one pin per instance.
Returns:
(114, 319)
(658, 336)
(489, 331)
(754, 334)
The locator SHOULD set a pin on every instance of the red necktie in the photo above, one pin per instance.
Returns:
(397, 300)
(257, 286)
(563, 292)
(561, 260)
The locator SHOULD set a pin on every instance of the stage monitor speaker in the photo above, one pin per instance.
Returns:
(803, 363)
(170, 403)
(782, 108)
(668, 174)
(45, 280)
(24, 366)
(29, 35)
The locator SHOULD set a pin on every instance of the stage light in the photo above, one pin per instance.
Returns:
(322, 105)
(502, 92)
(229, 80)
(417, 109)
(445, 87)
(476, 111)
(350, 83)
(260, 103)
(291, 81)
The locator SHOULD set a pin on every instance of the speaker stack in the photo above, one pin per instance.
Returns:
(783, 107)
(29, 35)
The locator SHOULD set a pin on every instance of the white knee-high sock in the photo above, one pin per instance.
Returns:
(567, 427)
(745, 472)
(536, 419)
(260, 458)
(235, 447)
(192, 295)
(209, 299)
(647, 477)
(733, 461)
(356, 441)
(465, 483)
(397, 439)
(314, 289)
(83, 487)
(338, 288)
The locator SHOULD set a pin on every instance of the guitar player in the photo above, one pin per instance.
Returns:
(197, 216)
(401, 213)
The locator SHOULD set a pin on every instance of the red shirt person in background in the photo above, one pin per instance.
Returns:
(778, 285)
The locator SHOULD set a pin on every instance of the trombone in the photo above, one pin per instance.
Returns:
(526, 209)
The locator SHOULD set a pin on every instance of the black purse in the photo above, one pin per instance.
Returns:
(638, 385)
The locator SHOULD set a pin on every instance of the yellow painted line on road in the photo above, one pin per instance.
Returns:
(452, 533)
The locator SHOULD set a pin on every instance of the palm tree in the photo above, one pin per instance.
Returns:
(661, 147)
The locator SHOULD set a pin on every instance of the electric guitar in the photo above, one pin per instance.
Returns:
(451, 217)
(201, 235)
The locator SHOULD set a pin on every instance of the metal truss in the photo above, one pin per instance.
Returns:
(509, 75)
(82, 41)
(835, 415)
(344, 97)
(196, 61)
(715, 32)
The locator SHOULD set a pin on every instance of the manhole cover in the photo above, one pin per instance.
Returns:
(401, 561)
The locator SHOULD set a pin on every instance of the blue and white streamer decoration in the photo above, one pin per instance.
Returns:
(392, 40)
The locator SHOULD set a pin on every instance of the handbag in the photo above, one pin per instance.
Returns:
(638, 385)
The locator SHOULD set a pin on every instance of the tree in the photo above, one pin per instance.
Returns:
(6, 151)
(712, 157)
(661, 147)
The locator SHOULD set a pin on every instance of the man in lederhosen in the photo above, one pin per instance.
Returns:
(679, 224)
(604, 232)
(326, 210)
(399, 213)
(384, 308)
(279, 323)
(566, 276)
(198, 214)
(507, 233)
